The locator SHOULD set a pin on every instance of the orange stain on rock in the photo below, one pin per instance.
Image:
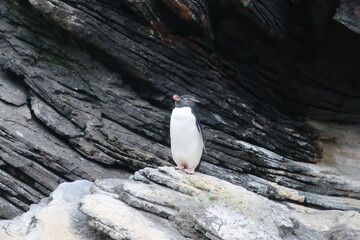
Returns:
(357, 11)
(159, 27)
(182, 9)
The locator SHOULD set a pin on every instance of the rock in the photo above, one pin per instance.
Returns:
(165, 203)
(86, 86)
(119, 221)
(333, 224)
(12, 92)
(348, 13)
(195, 206)
(8, 210)
(54, 120)
(56, 217)
(34, 161)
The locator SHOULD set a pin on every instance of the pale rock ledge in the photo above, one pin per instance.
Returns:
(167, 204)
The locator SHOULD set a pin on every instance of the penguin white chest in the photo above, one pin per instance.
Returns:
(186, 140)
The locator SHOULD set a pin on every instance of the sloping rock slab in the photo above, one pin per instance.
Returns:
(119, 221)
(172, 205)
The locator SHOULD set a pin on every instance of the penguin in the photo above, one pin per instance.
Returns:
(187, 143)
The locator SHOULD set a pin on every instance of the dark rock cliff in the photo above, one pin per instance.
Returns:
(86, 86)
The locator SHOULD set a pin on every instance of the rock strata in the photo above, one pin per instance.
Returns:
(86, 86)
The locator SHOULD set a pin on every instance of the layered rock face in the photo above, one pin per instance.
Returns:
(168, 204)
(86, 86)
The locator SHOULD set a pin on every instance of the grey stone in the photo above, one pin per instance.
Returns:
(86, 86)
(34, 161)
(144, 208)
(12, 92)
(197, 206)
(54, 120)
(119, 221)
(332, 224)
(56, 217)
(8, 210)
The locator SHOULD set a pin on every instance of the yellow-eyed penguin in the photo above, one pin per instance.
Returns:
(187, 142)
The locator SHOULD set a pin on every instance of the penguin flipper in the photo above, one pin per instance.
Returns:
(198, 125)
(202, 136)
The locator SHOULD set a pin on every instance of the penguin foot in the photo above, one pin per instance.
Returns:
(179, 167)
(189, 170)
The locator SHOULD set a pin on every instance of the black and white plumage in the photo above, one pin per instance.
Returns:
(187, 142)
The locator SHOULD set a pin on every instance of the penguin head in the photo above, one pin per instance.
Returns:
(185, 101)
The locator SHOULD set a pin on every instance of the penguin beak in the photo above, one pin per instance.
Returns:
(176, 98)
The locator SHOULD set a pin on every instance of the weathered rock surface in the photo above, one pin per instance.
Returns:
(168, 204)
(348, 14)
(56, 217)
(332, 224)
(86, 86)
